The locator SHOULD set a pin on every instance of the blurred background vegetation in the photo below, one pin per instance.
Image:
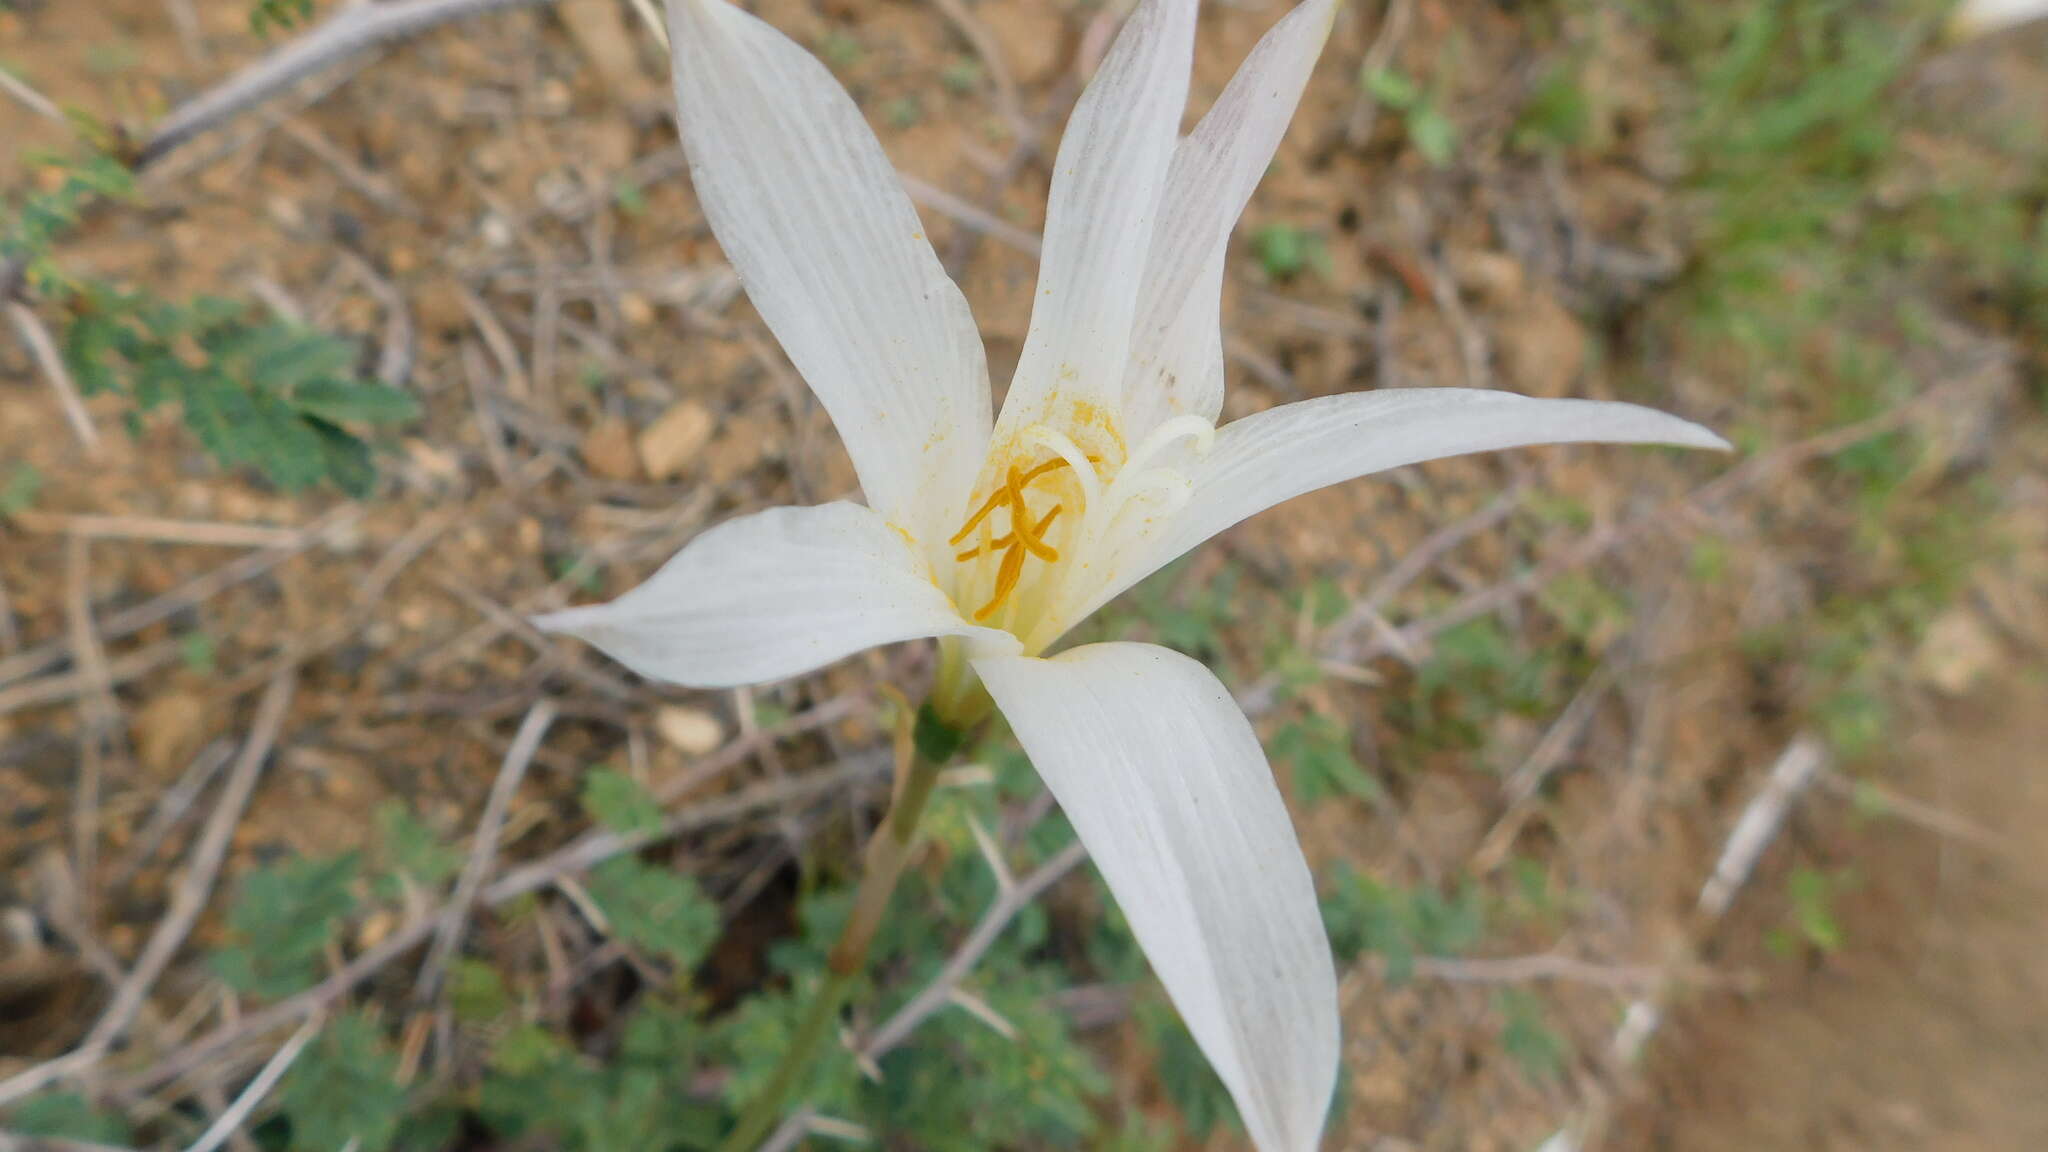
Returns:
(309, 843)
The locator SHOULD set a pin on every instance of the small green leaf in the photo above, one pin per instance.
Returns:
(1812, 894)
(1318, 749)
(476, 991)
(408, 846)
(18, 494)
(196, 650)
(340, 401)
(1432, 133)
(1526, 1035)
(343, 1091)
(1286, 251)
(657, 909)
(1390, 88)
(66, 1116)
(618, 802)
(281, 922)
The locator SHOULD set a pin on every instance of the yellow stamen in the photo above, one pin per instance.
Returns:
(1006, 581)
(1009, 538)
(1013, 484)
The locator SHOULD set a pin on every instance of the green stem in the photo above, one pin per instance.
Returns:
(886, 855)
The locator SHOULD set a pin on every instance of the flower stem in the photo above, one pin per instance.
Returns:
(919, 757)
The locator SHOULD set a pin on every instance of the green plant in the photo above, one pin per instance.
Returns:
(1285, 251)
(1399, 924)
(269, 14)
(1432, 133)
(343, 1091)
(282, 399)
(1318, 749)
(259, 393)
(66, 1116)
(18, 493)
(1526, 1035)
(1813, 895)
(282, 921)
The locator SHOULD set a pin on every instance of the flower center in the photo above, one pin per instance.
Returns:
(1054, 519)
(1026, 535)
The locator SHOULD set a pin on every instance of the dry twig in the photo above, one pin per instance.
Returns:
(232, 1120)
(36, 338)
(157, 609)
(484, 848)
(31, 99)
(1011, 899)
(1796, 767)
(186, 902)
(353, 29)
(546, 872)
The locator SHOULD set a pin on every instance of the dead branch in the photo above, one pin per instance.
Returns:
(1009, 901)
(354, 29)
(31, 99)
(1541, 966)
(944, 988)
(1804, 759)
(185, 905)
(36, 338)
(449, 935)
(273, 1070)
(1341, 635)
(521, 881)
(197, 590)
(99, 715)
(71, 685)
(203, 533)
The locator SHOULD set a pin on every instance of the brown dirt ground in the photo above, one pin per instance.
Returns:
(1927, 1030)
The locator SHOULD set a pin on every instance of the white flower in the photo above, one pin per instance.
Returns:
(1104, 465)
(1973, 18)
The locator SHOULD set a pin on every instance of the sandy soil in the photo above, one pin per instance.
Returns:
(1927, 1030)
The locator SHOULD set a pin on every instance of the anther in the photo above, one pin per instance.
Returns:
(1043, 550)
(1006, 581)
(1012, 482)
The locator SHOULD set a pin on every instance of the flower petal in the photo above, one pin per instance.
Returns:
(1177, 348)
(1106, 185)
(774, 595)
(1283, 452)
(1166, 785)
(804, 201)
(1974, 18)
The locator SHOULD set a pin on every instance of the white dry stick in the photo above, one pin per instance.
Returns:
(37, 339)
(33, 100)
(162, 530)
(1011, 899)
(1759, 823)
(485, 849)
(353, 29)
(575, 857)
(939, 992)
(186, 903)
(1796, 767)
(237, 1113)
